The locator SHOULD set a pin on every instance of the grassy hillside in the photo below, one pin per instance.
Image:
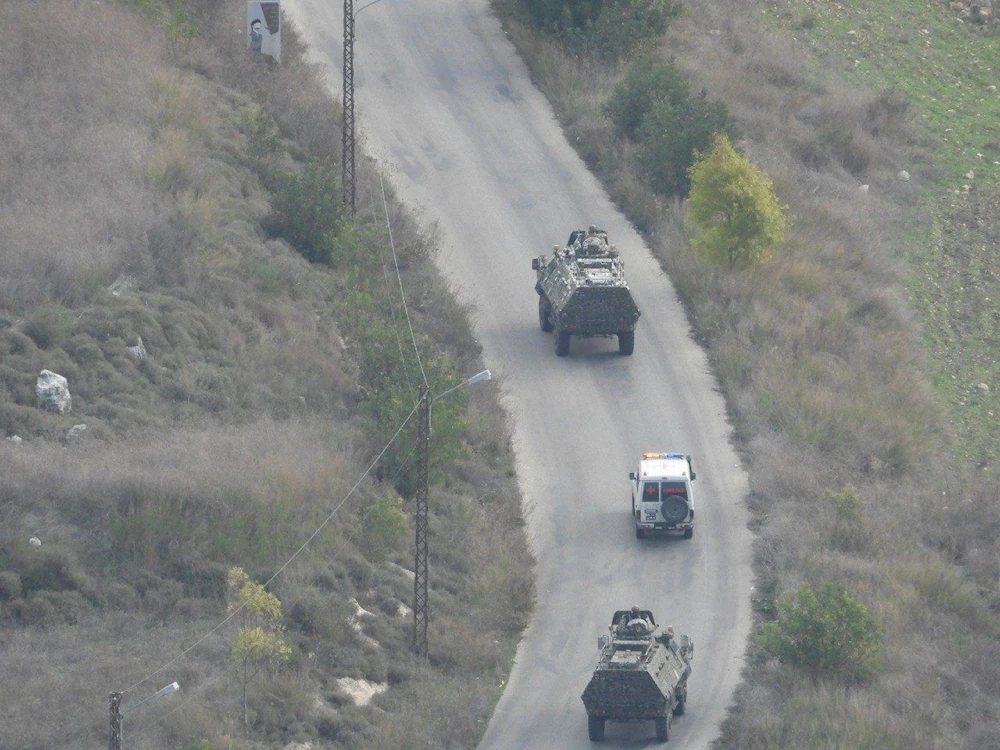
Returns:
(160, 195)
(852, 361)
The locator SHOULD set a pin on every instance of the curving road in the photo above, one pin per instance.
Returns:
(448, 108)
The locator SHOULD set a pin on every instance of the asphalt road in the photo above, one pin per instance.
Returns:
(448, 109)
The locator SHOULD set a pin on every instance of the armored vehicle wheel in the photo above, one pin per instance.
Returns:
(679, 708)
(595, 728)
(674, 509)
(562, 343)
(663, 728)
(545, 314)
(640, 533)
(626, 342)
(688, 533)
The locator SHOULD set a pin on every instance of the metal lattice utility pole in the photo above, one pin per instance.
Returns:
(348, 135)
(115, 743)
(420, 614)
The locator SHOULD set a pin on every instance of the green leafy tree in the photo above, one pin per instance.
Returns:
(608, 29)
(732, 203)
(644, 85)
(826, 633)
(625, 25)
(181, 26)
(385, 526)
(263, 141)
(307, 211)
(671, 135)
(259, 643)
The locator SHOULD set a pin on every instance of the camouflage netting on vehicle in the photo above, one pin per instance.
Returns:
(642, 672)
(583, 292)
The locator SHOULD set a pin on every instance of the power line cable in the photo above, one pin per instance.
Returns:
(183, 702)
(286, 563)
(385, 273)
(395, 260)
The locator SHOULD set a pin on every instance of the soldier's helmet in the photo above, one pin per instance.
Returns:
(635, 610)
(592, 229)
(592, 246)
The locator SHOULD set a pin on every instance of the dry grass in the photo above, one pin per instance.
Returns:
(820, 354)
(132, 211)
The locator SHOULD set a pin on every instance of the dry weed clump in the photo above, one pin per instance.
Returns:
(74, 110)
(231, 434)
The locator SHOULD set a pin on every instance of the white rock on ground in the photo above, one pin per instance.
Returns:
(361, 691)
(53, 392)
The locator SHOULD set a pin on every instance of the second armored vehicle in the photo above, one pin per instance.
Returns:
(582, 292)
(641, 675)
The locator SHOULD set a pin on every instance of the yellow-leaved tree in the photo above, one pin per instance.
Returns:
(259, 643)
(732, 203)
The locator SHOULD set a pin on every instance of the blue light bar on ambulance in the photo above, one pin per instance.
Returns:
(663, 455)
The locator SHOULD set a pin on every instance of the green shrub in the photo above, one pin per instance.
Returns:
(263, 142)
(643, 86)
(306, 211)
(48, 326)
(624, 25)
(48, 569)
(827, 633)
(181, 25)
(37, 611)
(847, 504)
(10, 585)
(671, 135)
(384, 527)
(607, 29)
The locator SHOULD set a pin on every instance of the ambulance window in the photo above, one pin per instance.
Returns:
(649, 492)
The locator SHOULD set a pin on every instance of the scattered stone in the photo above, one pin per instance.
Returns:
(15, 439)
(405, 571)
(970, 175)
(35, 541)
(983, 388)
(359, 610)
(863, 189)
(138, 351)
(53, 392)
(903, 175)
(75, 431)
(361, 691)
(991, 88)
(121, 285)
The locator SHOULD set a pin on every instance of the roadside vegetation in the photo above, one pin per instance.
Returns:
(173, 242)
(859, 360)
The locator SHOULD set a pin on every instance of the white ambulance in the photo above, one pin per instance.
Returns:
(662, 495)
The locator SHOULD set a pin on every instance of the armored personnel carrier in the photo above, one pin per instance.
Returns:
(641, 675)
(582, 292)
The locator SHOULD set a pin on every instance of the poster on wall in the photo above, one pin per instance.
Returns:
(264, 28)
